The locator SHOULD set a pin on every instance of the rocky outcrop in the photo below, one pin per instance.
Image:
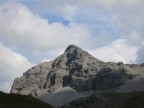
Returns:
(78, 70)
(33, 81)
(69, 69)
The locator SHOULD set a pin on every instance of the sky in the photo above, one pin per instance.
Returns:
(35, 31)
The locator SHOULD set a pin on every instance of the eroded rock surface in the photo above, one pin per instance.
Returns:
(76, 69)
(33, 81)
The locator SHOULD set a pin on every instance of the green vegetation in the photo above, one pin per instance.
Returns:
(21, 101)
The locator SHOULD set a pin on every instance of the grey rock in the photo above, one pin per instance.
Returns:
(78, 70)
(33, 80)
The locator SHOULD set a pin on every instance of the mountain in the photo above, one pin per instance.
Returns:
(76, 74)
(21, 101)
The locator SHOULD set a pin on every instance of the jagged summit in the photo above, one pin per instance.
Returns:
(74, 52)
(70, 47)
(73, 47)
(79, 70)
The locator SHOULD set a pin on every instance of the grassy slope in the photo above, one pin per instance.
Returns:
(21, 101)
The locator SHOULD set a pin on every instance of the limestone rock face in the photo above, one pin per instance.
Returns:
(71, 67)
(76, 69)
(33, 80)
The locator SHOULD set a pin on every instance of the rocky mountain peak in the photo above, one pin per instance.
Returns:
(76, 69)
(49, 76)
(71, 47)
(73, 52)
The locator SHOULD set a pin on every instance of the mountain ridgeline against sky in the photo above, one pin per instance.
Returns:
(76, 74)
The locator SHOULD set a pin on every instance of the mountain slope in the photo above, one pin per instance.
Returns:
(81, 72)
(21, 101)
(109, 100)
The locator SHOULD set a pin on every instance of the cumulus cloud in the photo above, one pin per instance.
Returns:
(12, 65)
(52, 54)
(124, 16)
(19, 26)
(68, 12)
(115, 52)
(23, 29)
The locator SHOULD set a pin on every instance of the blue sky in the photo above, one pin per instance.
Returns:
(33, 31)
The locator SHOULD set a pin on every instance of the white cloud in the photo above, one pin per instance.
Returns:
(125, 16)
(119, 50)
(20, 27)
(23, 29)
(12, 65)
(68, 12)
